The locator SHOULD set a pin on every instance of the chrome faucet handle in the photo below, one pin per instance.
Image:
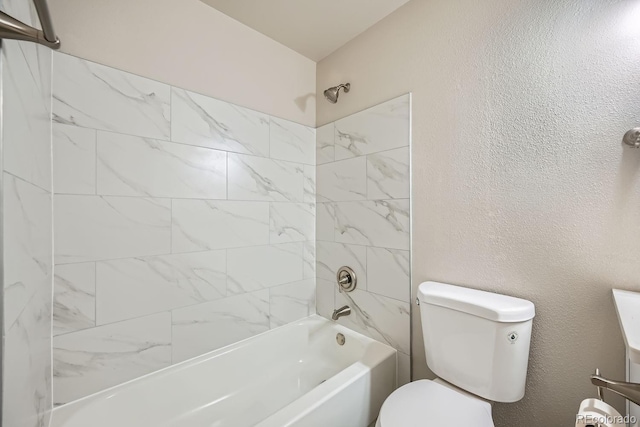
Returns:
(630, 391)
(346, 279)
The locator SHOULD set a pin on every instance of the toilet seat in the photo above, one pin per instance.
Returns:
(431, 404)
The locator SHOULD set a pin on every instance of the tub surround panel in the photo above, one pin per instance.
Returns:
(27, 237)
(325, 148)
(91, 228)
(388, 175)
(379, 317)
(206, 327)
(309, 259)
(199, 225)
(291, 302)
(74, 154)
(91, 95)
(309, 186)
(325, 297)
(136, 287)
(94, 359)
(188, 208)
(379, 128)
(134, 166)
(363, 221)
(389, 273)
(27, 226)
(292, 142)
(27, 358)
(254, 268)
(74, 304)
(343, 180)
(26, 116)
(291, 222)
(325, 221)
(257, 178)
(383, 223)
(200, 120)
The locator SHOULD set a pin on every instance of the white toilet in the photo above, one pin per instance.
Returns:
(477, 343)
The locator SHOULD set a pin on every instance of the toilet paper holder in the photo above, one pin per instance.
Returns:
(630, 391)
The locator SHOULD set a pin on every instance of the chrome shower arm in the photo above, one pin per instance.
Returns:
(630, 391)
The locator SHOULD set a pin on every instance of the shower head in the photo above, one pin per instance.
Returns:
(333, 92)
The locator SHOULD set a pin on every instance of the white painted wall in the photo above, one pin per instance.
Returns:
(188, 44)
(520, 182)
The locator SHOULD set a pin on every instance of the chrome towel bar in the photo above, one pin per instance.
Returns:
(11, 28)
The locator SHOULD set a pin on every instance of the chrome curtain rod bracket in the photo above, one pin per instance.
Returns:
(11, 28)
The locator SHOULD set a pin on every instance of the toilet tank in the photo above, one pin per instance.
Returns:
(475, 340)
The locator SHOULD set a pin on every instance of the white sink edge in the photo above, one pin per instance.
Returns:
(628, 308)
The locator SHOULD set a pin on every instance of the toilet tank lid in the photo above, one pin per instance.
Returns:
(488, 305)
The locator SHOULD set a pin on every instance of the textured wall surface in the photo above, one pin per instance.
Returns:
(26, 227)
(188, 44)
(182, 224)
(520, 182)
(363, 222)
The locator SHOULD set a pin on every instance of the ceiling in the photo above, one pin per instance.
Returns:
(314, 28)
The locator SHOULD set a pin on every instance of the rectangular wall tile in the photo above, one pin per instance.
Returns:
(388, 273)
(253, 268)
(91, 228)
(27, 239)
(74, 297)
(74, 160)
(343, 180)
(88, 361)
(291, 222)
(209, 326)
(382, 223)
(325, 221)
(136, 166)
(200, 225)
(208, 122)
(135, 287)
(381, 318)
(91, 95)
(325, 149)
(27, 361)
(309, 185)
(26, 69)
(292, 302)
(325, 303)
(388, 174)
(379, 128)
(331, 256)
(309, 259)
(256, 178)
(292, 142)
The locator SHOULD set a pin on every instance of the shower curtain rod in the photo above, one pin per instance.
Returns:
(11, 28)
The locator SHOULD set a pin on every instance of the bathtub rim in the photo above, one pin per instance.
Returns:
(65, 411)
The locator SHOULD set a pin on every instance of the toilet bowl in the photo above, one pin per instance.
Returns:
(477, 343)
(428, 403)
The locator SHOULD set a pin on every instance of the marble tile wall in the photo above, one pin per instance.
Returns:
(182, 224)
(26, 199)
(363, 221)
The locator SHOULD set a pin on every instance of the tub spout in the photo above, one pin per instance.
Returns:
(342, 311)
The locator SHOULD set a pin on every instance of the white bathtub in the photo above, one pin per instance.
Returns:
(296, 375)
